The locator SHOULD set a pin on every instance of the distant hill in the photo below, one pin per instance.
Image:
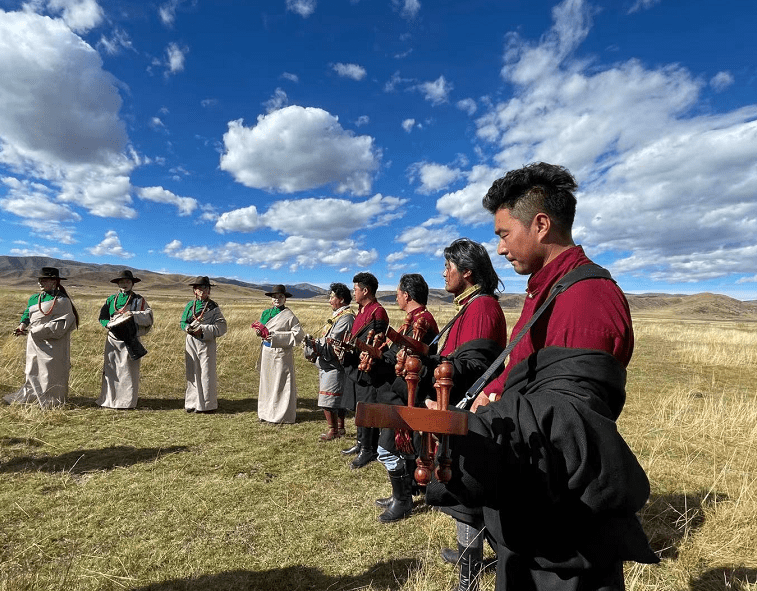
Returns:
(22, 272)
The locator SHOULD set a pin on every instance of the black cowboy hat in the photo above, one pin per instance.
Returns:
(50, 273)
(277, 290)
(202, 280)
(126, 274)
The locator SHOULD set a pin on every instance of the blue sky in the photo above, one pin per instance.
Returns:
(293, 141)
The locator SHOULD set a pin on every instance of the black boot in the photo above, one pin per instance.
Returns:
(355, 449)
(383, 503)
(402, 501)
(471, 563)
(365, 457)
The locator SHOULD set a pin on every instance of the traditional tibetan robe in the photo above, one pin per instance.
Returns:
(48, 350)
(120, 381)
(277, 394)
(330, 370)
(200, 354)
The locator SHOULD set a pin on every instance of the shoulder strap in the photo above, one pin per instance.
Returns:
(587, 271)
(448, 326)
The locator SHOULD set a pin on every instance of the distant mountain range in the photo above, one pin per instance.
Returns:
(22, 272)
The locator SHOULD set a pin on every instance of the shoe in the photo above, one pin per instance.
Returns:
(471, 564)
(329, 435)
(364, 458)
(351, 451)
(450, 555)
(402, 501)
(342, 432)
(383, 503)
(189, 409)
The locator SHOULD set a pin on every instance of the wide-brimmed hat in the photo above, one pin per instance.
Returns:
(126, 274)
(50, 273)
(202, 280)
(277, 290)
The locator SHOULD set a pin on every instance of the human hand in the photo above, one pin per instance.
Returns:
(431, 404)
(481, 400)
(21, 330)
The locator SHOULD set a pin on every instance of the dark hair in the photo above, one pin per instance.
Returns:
(472, 256)
(342, 292)
(367, 280)
(415, 286)
(73, 308)
(536, 188)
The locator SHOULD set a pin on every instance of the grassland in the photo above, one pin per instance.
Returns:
(93, 499)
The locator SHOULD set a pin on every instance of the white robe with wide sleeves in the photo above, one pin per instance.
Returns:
(200, 357)
(48, 354)
(120, 379)
(277, 394)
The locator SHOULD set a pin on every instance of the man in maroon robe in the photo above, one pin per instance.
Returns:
(559, 487)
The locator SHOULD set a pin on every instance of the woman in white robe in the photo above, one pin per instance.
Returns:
(120, 379)
(48, 321)
(281, 332)
(203, 322)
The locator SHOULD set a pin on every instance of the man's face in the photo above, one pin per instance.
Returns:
(125, 284)
(361, 294)
(202, 292)
(402, 299)
(335, 302)
(46, 283)
(455, 281)
(278, 300)
(518, 243)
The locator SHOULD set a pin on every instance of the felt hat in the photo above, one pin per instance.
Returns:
(201, 280)
(126, 274)
(50, 273)
(277, 290)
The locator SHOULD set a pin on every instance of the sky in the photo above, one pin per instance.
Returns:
(303, 141)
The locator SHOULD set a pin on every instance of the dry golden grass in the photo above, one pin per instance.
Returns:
(157, 499)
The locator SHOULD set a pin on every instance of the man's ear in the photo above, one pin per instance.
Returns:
(542, 223)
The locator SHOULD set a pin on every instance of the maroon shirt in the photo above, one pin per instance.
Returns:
(373, 311)
(421, 312)
(591, 314)
(482, 319)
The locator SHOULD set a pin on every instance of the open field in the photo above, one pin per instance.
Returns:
(158, 499)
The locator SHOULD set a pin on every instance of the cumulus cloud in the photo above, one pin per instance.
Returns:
(407, 8)
(118, 41)
(294, 252)
(175, 58)
(422, 240)
(353, 71)
(59, 123)
(277, 101)
(185, 205)
(302, 7)
(648, 161)
(468, 105)
(79, 15)
(436, 91)
(291, 77)
(41, 250)
(362, 120)
(433, 177)
(314, 218)
(110, 246)
(408, 124)
(167, 12)
(721, 81)
(298, 148)
(34, 201)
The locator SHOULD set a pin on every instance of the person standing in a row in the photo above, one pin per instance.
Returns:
(127, 316)
(48, 320)
(280, 331)
(203, 322)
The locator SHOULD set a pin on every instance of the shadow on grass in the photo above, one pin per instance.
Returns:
(89, 460)
(385, 575)
(725, 577)
(669, 519)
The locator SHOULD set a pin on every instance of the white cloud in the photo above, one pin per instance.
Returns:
(59, 122)
(422, 240)
(294, 252)
(34, 201)
(721, 81)
(38, 250)
(670, 191)
(175, 58)
(239, 220)
(167, 12)
(110, 246)
(642, 5)
(362, 120)
(408, 124)
(468, 105)
(118, 40)
(433, 177)
(437, 91)
(185, 205)
(277, 101)
(79, 15)
(314, 218)
(302, 7)
(408, 8)
(353, 71)
(291, 77)
(208, 102)
(298, 148)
